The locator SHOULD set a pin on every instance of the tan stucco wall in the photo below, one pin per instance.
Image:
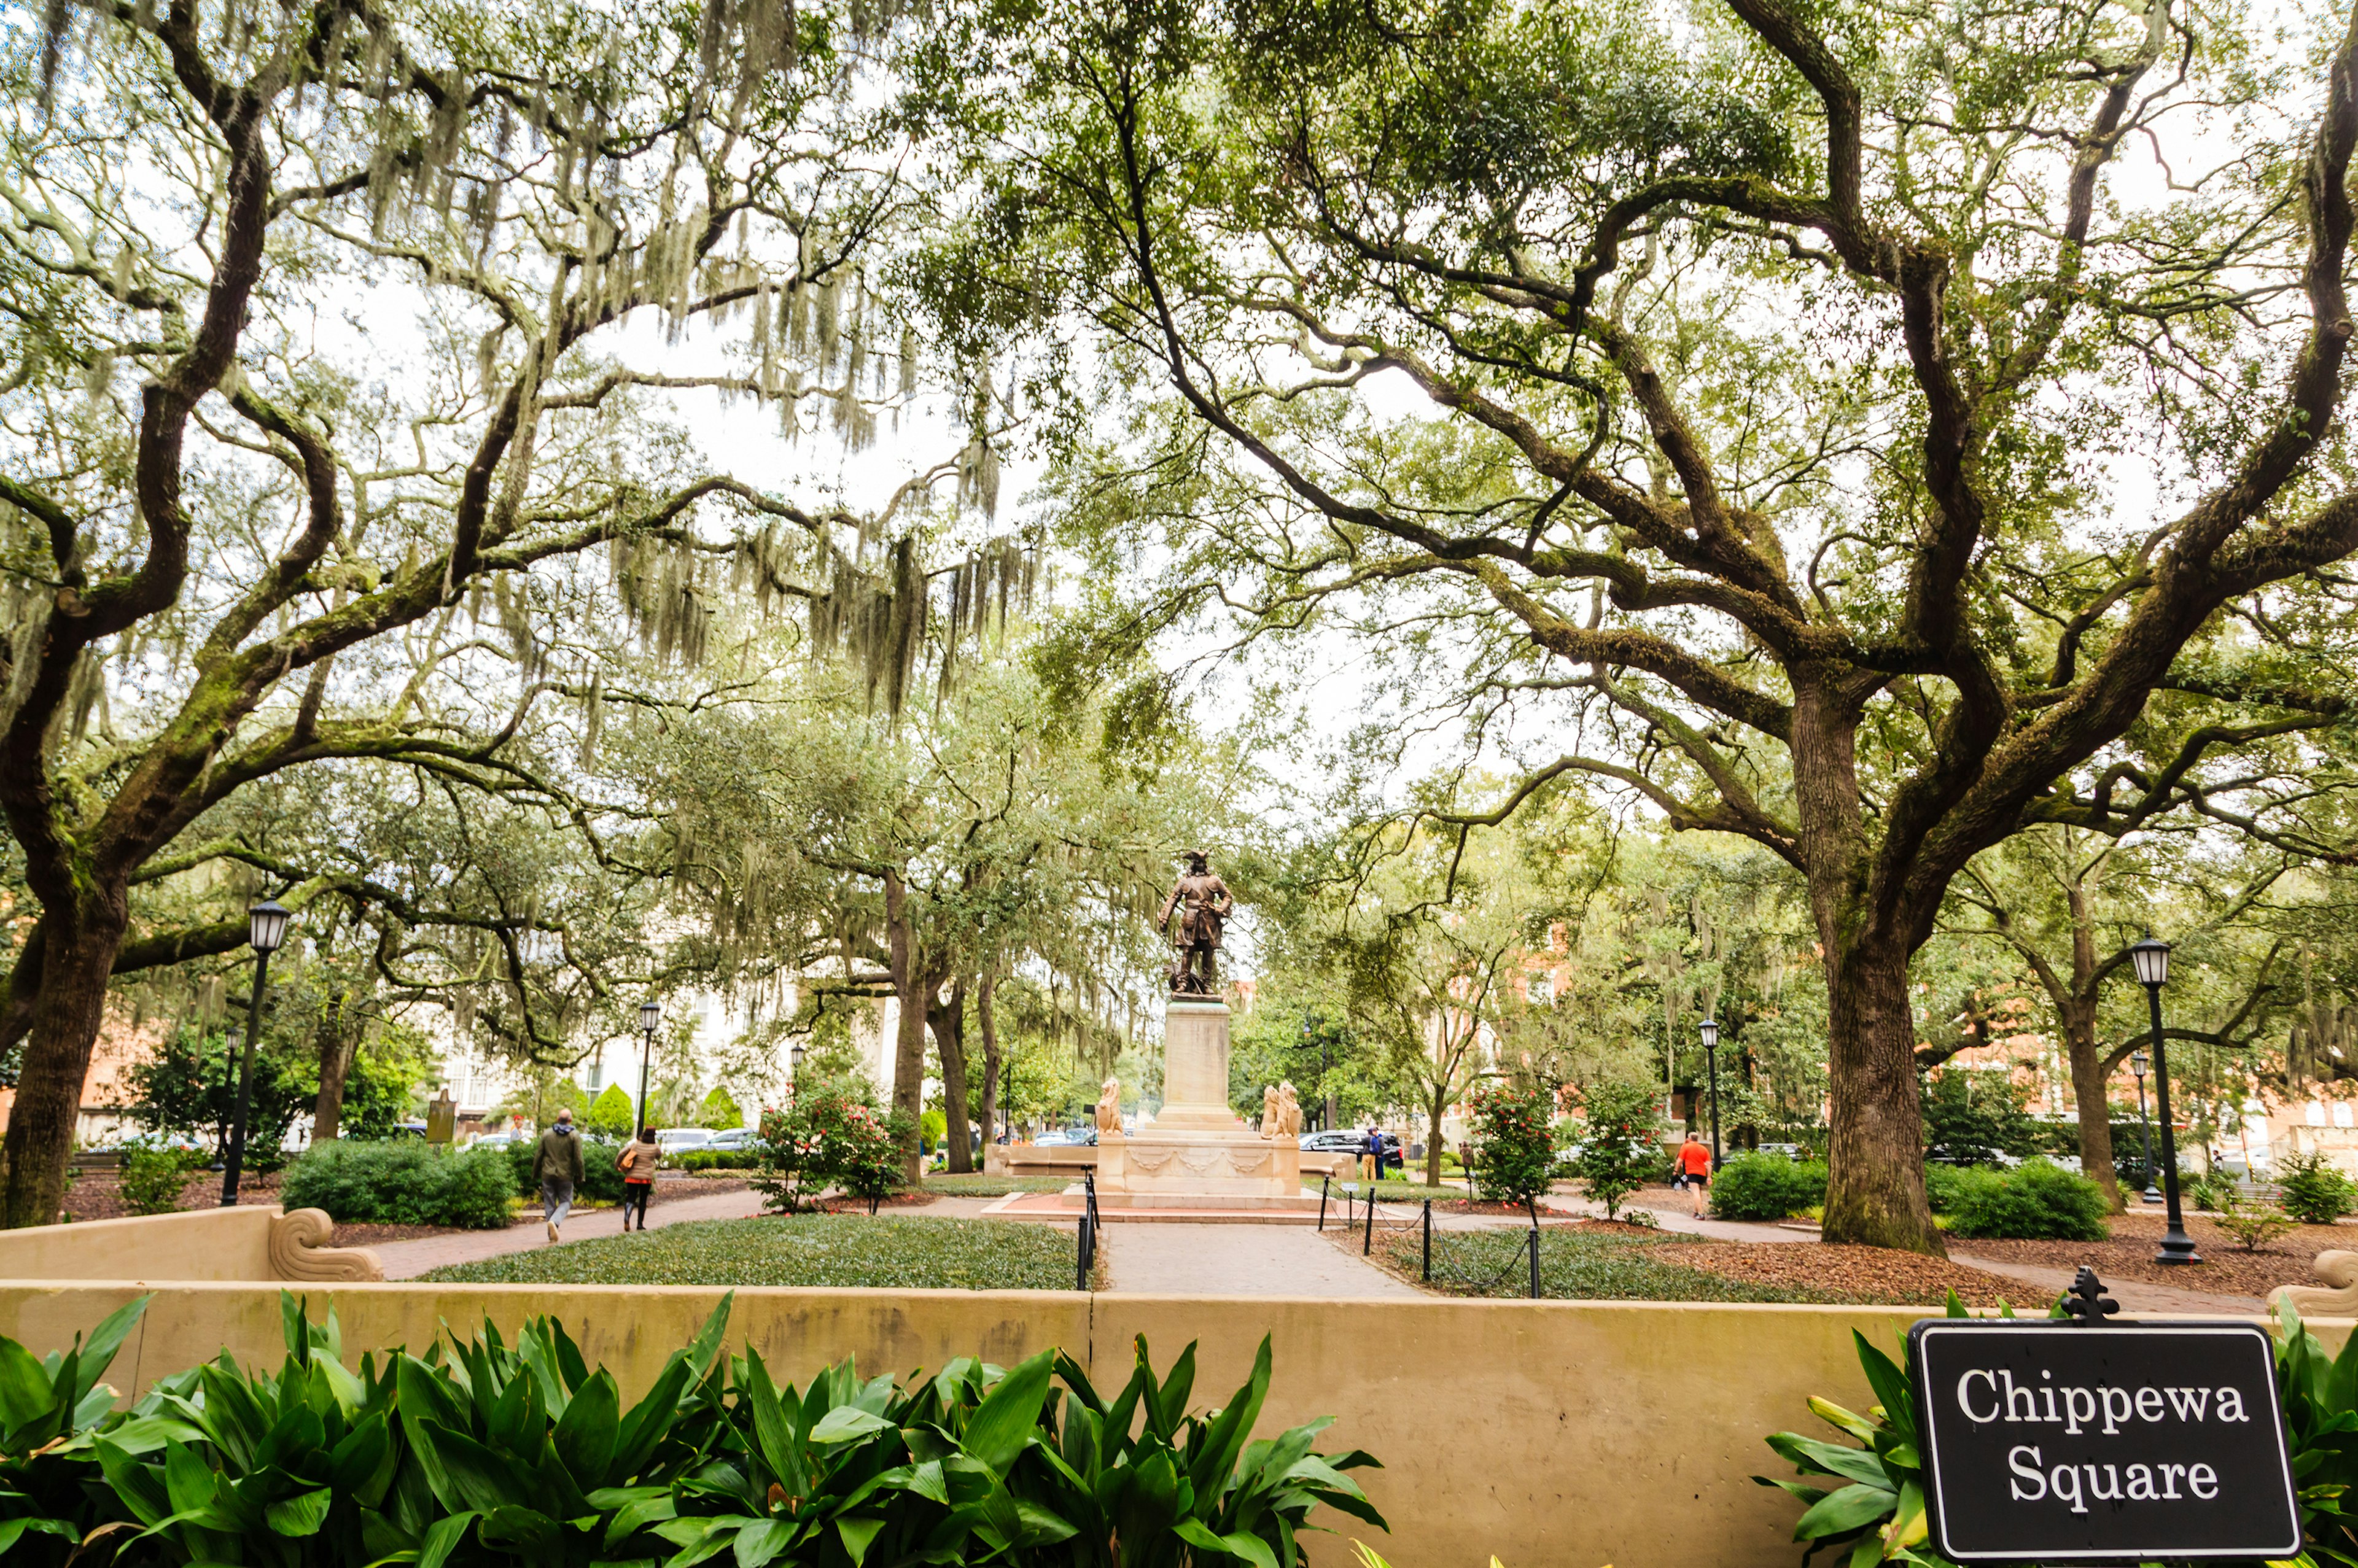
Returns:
(1572, 1433)
(1547, 1433)
(203, 1244)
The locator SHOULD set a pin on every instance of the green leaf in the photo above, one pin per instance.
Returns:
(26, 1394)
(757, 1543)
(98, 1350)
(1252, 1548)
(858, 1535)
(1845, 1510)
(1853, 1464)
(1003, 1425)
(844, 1423)
(707, 1344)
(443, 1538)
(586, 1434)
(301, 1514)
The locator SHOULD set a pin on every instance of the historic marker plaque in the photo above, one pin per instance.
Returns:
(2146, 1442)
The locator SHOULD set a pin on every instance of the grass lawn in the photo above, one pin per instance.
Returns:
(910, 1253)
(1574, 1265)
(980, 1187)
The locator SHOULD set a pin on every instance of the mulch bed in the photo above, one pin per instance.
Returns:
(860, 1205)
(96, 1195)
(2225, 1270)
(1852, 1273)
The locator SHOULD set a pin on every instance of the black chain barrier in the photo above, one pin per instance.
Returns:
(1447, 1258)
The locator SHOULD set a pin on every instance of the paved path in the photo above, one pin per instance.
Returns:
(408, 1260)
(1241, 1261)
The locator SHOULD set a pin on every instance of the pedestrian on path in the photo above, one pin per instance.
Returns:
(1694, 1166)
(557, 1166)
(637, 1163)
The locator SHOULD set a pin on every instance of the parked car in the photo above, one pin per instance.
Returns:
(673, 1140)
(1069, 1136)
(1348, 1141)
(180, 1140)
(496, 1139)
(731, 1138)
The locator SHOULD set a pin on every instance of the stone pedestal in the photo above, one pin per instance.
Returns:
(1196, 1153)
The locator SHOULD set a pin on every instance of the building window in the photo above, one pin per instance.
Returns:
(2317, 1113)
(2341, 1117)
(1541, 990)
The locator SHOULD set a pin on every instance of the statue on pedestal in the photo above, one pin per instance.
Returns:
(1202, 903)
(1109, 1108)
(1272, 1117)
(1289, 1111)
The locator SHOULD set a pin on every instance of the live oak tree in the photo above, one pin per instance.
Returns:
(1778, 368)
(310, 320)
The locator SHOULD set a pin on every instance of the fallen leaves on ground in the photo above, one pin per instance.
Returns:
(2226, 1269)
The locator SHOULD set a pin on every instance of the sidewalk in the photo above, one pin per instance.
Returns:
(408, 1260)
(2133, 1295)
(1241, 1260)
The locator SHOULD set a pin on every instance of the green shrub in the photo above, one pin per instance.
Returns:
(152, 1179)
(2036, 1201)
(611, 1115)
(2312, 1190)
(1620, 1148)
(1514, 1147)
(481, 1452)
(1943, 1182)
(1766, 1186)
(717, 1158)
(403, 1181)
(831, 1134)
(719, 1112)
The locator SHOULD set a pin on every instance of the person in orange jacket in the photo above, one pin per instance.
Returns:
(1695, 1164)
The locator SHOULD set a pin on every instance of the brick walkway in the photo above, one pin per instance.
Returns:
(1241, 1261)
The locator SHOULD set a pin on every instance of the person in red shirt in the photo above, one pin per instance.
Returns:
(1695, 1164)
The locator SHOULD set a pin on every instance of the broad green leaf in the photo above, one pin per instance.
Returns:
(844, 1423)
(301, 1514)
(590, 1428)
(26, 1394)
(858, 1535)
(706, 1346)
(1252, 1548)
(1843, 1511)
(98, 1350)
(443, 1538)
(1003, 1426)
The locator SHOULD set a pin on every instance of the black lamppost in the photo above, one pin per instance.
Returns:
(1316, 1038)
(265, 928)
(1710, 1029)
(2152, 961)
(2138, 1062)
(795, 1058)
(650, 1015)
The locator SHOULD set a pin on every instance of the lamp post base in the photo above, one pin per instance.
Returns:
(2153, 1195)
(2176, 1246)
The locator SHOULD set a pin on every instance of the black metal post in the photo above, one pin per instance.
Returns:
(1711, 1055)
(1535, 1260)
(647, 1060)
(236, 1164)
(1324, 1181)
(1369, 1244)
(2145, 1142)
(2176, 1246)
(1428, 1241)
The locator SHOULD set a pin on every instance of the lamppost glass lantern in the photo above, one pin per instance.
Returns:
(795, 1057)
(266, 925)
(650, 1015)
(2152, 961)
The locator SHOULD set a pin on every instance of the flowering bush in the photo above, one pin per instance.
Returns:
(1514, 1148)
(1622, 1148)
(829, 1135)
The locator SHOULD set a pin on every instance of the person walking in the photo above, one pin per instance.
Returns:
(557, 1167)
(1375, 1153)
(1694, 1166)
(637, 1163)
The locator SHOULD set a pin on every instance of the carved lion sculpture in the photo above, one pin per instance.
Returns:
(1110, 1107)
(1272, 1113)
(1289, 1111)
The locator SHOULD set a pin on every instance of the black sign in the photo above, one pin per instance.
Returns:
(2146, 1443)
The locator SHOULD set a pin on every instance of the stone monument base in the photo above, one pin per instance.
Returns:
(1196, 1153)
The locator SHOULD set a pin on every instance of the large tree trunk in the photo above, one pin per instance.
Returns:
(2087, 1087)
(338, 1046)
(1875, 1188)
(948, 1019)
(911, 988)
(67, 1010)
(1436, 1106)
(989, 1027)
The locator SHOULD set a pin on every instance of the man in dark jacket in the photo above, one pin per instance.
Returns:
(557, 1167)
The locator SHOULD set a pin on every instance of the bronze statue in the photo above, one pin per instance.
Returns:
(1202, 902)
